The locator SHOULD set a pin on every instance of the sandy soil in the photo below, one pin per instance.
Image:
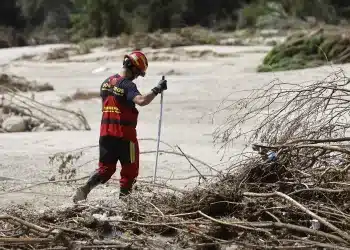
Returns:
(194, 91)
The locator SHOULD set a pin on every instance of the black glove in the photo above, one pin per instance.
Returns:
(162, 85)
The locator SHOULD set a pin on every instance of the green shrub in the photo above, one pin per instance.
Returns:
(307, 50)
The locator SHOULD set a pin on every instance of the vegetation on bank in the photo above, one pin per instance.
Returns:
(25, 22)
(308, 49)
(160, 23)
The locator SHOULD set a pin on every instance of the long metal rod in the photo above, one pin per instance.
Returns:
(159, 130)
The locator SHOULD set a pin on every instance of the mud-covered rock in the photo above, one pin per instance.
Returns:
(14, 124)
(55, 54)
(43, 128)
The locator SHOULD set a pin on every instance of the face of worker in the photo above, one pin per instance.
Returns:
(136, 73)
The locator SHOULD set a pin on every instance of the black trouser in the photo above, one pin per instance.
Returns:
(113, 149)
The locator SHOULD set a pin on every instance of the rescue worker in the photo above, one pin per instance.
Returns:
(118, 137)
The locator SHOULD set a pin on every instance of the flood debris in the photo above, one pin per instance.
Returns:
(21, 112)
(291, 191)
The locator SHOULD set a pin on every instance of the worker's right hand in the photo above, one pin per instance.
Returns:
(162, 85)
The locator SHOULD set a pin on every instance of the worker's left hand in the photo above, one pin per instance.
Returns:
(162, 85)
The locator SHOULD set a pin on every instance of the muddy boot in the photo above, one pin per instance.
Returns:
(126, 190)
(82, 192)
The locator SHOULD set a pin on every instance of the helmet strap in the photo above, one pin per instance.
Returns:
(135, 72)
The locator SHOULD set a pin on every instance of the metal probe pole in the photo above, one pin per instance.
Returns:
(159, 130)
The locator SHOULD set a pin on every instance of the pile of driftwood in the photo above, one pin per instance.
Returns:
(278, 203)
(20, 112)
(293, 192)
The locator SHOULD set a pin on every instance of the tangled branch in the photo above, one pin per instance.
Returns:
(42, 114)
(291, 192)
(285, 111)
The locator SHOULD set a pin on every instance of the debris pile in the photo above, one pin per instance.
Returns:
(18, 83)
(81, 95)
(20, 112)
(291, 192)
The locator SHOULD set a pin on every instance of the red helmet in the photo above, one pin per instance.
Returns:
(139, 60)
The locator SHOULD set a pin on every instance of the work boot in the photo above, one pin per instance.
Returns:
(83, 191)
(124, 192)
(127, 189)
